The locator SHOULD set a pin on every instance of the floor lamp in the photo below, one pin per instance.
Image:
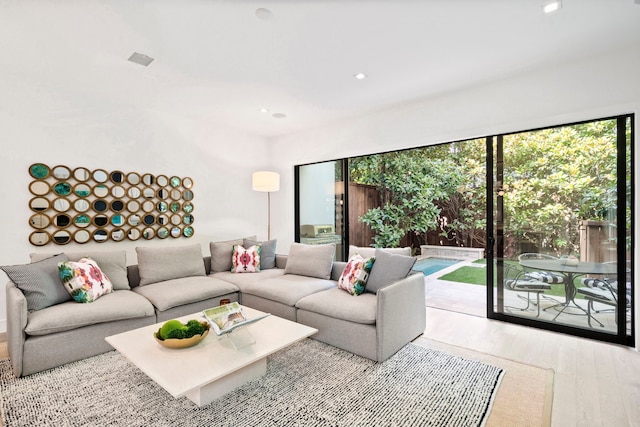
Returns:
(266, 181)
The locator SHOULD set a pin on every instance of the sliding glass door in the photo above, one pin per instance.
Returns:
(562, 228)
(320, 204)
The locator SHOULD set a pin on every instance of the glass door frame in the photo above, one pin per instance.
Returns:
(495, 234)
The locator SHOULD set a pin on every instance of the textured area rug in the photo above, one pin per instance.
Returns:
(307, 384)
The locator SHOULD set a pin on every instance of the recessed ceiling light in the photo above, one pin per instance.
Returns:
(264, 14)
(264, 110)
(140, 58)
(360, 76)
(551, 6)
(278, 115)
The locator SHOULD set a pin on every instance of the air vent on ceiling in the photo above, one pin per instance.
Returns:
(140, 58)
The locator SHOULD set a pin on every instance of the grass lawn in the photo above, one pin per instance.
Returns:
(478, 276)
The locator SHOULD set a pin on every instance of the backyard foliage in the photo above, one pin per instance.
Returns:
(553, 178)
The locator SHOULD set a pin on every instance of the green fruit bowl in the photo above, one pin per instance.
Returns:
(180, 343)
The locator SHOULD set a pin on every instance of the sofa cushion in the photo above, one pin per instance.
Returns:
(340, 305)
(246, 260)
(112, 263)
(187, 290)
(288, 288)
(160, 264)
(118, 305)
(84, 280)
(310, 260)
(388, 269)
(267, 254)
(355, 274)
(221, 253)
(366, 252)
(242, 280)
(39, 282)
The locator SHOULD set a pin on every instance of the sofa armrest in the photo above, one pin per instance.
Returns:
(401, 315)
(16, 323)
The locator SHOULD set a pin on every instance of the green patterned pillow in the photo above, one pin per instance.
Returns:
(355, 274)
(84, 280)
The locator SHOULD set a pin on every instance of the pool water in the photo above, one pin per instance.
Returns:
(431, 265)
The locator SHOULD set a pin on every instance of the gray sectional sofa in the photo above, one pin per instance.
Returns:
(172, 282)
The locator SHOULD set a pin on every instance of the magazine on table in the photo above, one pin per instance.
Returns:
(228, 317)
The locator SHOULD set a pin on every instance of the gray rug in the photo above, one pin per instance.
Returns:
(307, 384)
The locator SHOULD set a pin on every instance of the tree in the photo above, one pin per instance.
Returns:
(410, 184)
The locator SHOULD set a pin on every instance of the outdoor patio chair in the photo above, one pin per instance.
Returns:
(517, 281)
(543, 276)
(604, 291)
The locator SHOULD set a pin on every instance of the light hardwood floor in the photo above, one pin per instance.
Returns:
(595, 384)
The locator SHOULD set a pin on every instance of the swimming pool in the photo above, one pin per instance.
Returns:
(431, 265)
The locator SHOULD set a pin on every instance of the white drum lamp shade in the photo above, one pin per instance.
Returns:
(266, 181)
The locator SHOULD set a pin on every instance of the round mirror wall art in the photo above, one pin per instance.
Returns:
(39, 188)
(39, 171)
(39, 238)
(81, 236)
(62, 172)
(81, 174)
(80, 205)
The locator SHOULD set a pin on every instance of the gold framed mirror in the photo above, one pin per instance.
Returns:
(100, 220)
(117, 177)
(100, 176)
(81, 236)
(148, 179)
(163, 232)
(149, 219)
(133, 234)
(82, 220)
(134, 192)
(133, 178)
(188, 231)
(100, 236)
(39, 221)
(61, 205)
(39, 188)
(134, 220)
(187, 182)
(101, 191)
(62, 188)
(118, 192)
(148, 233)
(82, 190)
(61, 237)
(188, 219)
(176, 232)
(118, 220)
(116, 205)
(162, 180)
(39, 170)
(133, 206)
(175, 181)
(62, 220)
(39, 238)
(176, 219)
(81, 174)
(81, 205)
(100, 205)
(187, 195)
(187, 207)
(148, 193)
(148, 206)
(162, 219)
(61, 172)
(162, 207)
(39, 204)
(118, 235)
(176, 194)
(162, 193)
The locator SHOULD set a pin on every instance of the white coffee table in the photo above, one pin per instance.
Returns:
(213, 367)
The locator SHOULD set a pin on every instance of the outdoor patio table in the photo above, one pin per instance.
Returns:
(570, 272)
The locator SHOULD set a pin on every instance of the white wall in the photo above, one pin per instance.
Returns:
(591, 88)
(225, 206)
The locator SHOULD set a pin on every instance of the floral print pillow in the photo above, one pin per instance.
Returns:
(355, 274)
(246, 260)
(84, 280)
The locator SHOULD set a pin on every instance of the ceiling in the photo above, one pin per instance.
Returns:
(220, 61)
